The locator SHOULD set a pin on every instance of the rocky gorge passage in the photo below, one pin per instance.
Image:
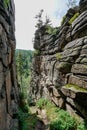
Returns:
(59, 70)
(8, 82)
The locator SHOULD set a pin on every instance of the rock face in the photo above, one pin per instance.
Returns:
(59, 70)
(8, 81)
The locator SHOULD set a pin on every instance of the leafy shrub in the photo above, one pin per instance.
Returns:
(22, 95)
(63, 19)
(50, 30)
(82, 125)
(22, 116)
(73, 18)
(58, 56)
(41, 103)
(27, 121)
(63, 122)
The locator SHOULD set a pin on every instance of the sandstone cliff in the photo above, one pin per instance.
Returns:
(8, 82)
(59, 70)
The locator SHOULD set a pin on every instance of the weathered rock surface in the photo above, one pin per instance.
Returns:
(61, 61)
(8, 82)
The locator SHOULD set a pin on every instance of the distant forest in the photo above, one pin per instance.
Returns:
(23, 65)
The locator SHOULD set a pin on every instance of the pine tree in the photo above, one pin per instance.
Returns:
(40, 21)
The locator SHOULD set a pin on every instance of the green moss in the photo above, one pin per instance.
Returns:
(73, 18)
(72, 86)
(41, 103)
(6, 3)
(58, 56)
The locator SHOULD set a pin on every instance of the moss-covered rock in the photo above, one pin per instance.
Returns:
(6, 3)
(64, 67)
(73, 18)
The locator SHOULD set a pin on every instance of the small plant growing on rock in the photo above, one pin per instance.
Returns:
(41, 103)
(50, 30)
(6, 3)
(58, 56)
(64, 122)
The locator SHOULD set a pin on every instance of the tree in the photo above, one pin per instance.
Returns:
(23, 63)
(39, 17)
(71, 3)
(20, 70)
(48, 21)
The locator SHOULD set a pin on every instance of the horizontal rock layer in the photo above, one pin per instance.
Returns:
(62, 62)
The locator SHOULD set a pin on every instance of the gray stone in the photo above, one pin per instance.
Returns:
(79, 69)
(63, 60)
(8, 79)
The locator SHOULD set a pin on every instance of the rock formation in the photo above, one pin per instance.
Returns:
(59, 70)
(8, 81)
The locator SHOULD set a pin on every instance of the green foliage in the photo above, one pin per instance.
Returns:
(82, 125)
(23, 63)
(27, 121)
(50, 30)
(64, 122)
(23, 102)
(58, 56)
(41, 103)
(39, 19)
(13, 129)
(73, 18)
(22, 116)
(60, 119)
(6, 2)
(36, 52)
(63, 19)
(22, 95)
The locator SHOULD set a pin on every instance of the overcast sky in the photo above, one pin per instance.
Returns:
(25, 11)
